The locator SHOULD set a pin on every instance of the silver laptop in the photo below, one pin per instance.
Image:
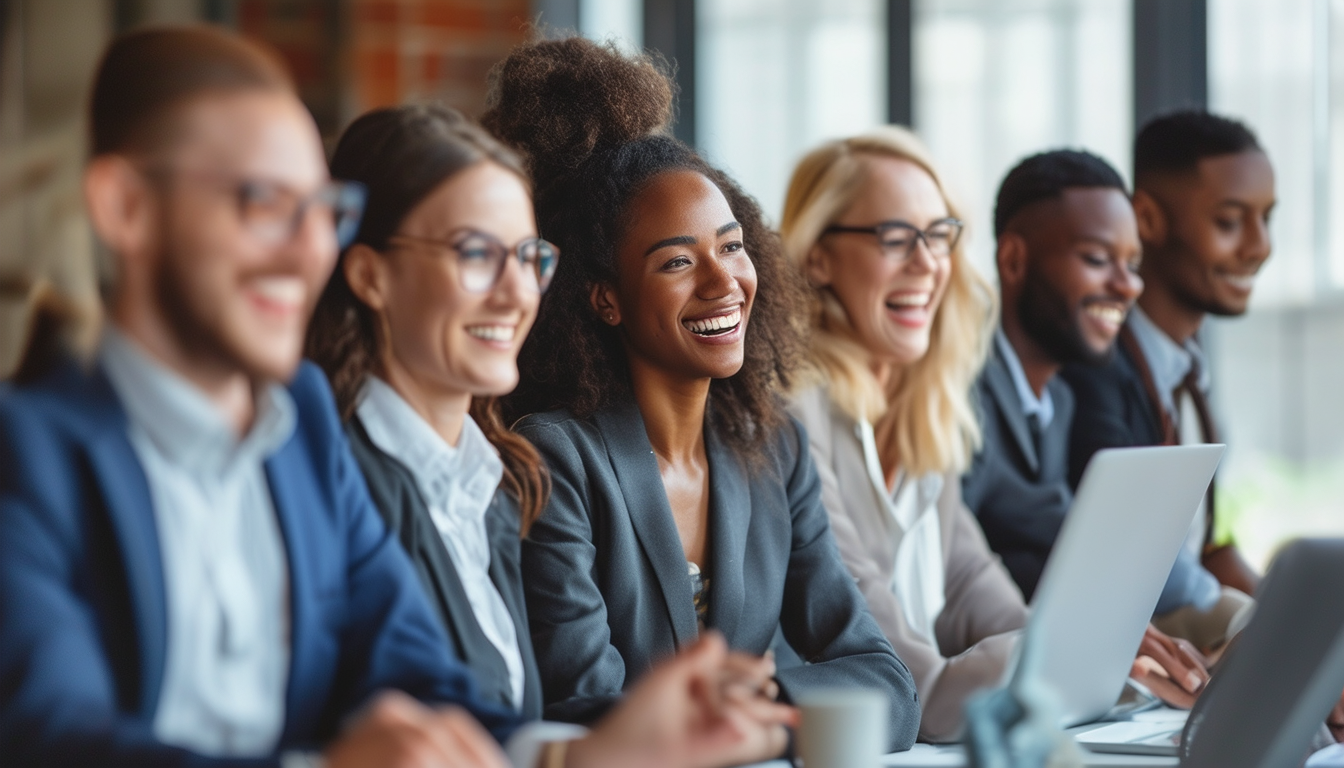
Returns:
(1097, 593)
(1277, 682)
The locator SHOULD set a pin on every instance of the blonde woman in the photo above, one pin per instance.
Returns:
(900, 327)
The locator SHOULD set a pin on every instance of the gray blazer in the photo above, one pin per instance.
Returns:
(977, 629)
(606, 583)
(1019, 497)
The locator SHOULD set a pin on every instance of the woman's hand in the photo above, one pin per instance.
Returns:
(703, 708)
(1171, 668)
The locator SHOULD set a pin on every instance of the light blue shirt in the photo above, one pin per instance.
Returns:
(1168, 361)
(225, 568)
(1043, 406)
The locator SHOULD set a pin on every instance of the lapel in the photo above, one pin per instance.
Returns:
(1155, 415)
(502, 524)
(730, 515)
(641, 484)
(293, 490)
(130, 507)
(1001, 387)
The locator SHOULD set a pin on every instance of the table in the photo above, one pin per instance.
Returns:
(953, 756)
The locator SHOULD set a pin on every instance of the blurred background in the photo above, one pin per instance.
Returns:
(985, 82)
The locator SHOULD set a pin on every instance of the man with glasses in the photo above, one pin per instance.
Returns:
(191, 571)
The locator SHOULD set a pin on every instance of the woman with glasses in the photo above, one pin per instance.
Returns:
(683, 500)
(900, 324)
(419, 331)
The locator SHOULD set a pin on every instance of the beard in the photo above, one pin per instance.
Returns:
(1049, 320)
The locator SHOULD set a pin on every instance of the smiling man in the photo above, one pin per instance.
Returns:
(1204, 190)
(1068, 259)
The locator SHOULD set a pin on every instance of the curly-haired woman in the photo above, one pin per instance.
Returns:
(683, 495)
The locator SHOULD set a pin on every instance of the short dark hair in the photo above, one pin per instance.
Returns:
(146, 74)
(1045, 176)
(1177, 141)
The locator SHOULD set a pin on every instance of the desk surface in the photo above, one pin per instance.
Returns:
(953, 756)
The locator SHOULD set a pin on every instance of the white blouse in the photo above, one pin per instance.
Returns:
(918, 579)
(458, 484)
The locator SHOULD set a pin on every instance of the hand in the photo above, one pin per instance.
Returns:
(397, 731)
(704, 708)
(1335, 722)
(1170, 668)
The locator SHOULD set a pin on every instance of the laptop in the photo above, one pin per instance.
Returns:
(1102, 581)
(1277, 682)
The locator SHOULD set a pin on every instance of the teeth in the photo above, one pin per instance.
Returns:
(1112, 315)
(711, 324)
(280, 290)
(1244, 282)
(493, 332)
(908, 300)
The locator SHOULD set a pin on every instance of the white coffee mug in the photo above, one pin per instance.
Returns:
(842, 728)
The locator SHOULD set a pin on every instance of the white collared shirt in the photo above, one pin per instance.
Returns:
(225, 569)
(458, 484)
(919, 577)
(1043, 406)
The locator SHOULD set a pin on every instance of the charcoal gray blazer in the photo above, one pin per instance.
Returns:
(606, 583)
(1019, 497)
(403, 508)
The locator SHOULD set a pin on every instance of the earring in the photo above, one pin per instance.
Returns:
(610, 317)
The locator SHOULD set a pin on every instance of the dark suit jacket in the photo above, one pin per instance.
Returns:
(83, 625)
(403, 508)
(1019, 497)
(606, 579)
(1115, 411)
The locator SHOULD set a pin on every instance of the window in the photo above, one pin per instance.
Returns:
(778, 77)
(998, 80)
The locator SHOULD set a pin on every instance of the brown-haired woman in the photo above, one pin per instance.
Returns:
(419, 330)
(660, 350)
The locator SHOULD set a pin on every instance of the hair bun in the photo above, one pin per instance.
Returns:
(558, 101)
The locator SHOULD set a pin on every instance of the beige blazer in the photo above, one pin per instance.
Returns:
(979, 625)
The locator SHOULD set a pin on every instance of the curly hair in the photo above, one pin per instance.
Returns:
(591, 123)
(401, 155)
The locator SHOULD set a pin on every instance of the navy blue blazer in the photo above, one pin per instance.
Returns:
(403, 508)
(1115, 411)
(608, 592)
(1019, 495)
(83, 625)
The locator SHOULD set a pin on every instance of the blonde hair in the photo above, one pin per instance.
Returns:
(924, 415)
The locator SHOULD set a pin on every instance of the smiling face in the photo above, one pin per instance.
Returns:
(890, 300)
(1081, 274)
(685, 283)
(232, 299)
(440, 338)
(1216, 231)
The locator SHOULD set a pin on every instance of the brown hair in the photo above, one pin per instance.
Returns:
(147, 74)
(401, 155)
(592, 123)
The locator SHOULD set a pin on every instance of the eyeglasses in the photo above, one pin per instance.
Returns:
(481, 258)
(273, 212)
(900, 238)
